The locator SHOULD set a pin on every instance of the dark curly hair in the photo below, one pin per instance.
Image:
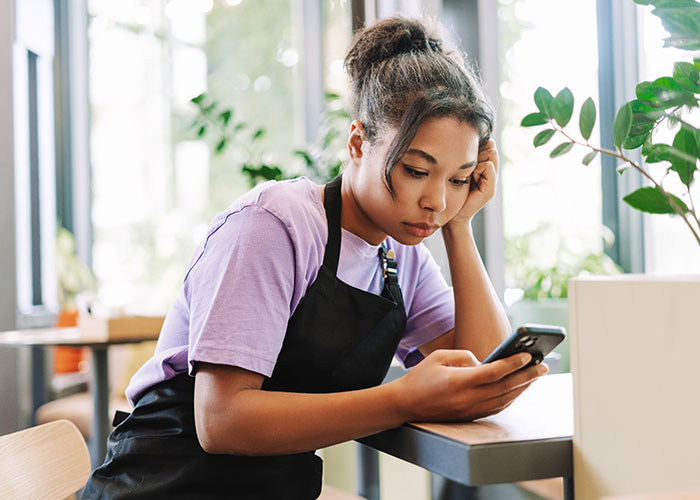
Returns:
(404, 72)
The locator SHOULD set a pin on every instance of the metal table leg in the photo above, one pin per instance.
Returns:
(99, 387)
(569, 488)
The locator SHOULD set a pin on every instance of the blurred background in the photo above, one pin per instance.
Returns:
(126, 126)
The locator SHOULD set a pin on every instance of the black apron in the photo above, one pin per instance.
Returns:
(339, 338)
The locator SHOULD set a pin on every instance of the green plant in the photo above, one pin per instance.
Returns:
(73, 275)
(320, 162)
(667, 100)
(525, 271)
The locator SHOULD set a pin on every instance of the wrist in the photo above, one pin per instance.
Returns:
(399, 404)
(454, 230)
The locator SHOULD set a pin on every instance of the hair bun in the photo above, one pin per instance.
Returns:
(388, 38)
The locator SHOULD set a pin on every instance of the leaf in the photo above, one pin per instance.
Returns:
(198, 98)
(258, 134)
(202, 130)
(533, 119)
(543, 100)
(225, 116)
(645, 92)
(543, 137)
(622, 125)
(686, 76)
(221, 145)
(587, 118)
(651, 200)
(306, 156)
(561, 149)
(589, 157)
(563, 107)
(686, 142)
(240, 126)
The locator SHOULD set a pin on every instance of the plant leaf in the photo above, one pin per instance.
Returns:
(563, 106)
(543, 137)
(225, 116)
(651, 200)
(258, 134)
(587, 118)
(686, 142)
(543, 100)
(622, 125)
(202, 130)
(199, 98)
(561, 149)
(221, 145)
(533, 119)
(687, 76)
(589, 157)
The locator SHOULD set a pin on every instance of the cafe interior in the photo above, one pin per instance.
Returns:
(125, 127)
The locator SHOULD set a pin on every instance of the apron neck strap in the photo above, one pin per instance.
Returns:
(332, 204)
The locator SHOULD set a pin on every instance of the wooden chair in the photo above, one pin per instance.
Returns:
(45, 462)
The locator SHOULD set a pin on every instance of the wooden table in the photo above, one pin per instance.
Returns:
(531, 439)
(99, 381)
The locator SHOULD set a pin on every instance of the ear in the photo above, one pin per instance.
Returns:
(355, 140)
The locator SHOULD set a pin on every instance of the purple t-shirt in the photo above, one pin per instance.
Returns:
(247, 277)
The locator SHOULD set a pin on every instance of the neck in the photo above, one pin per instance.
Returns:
(354, 219)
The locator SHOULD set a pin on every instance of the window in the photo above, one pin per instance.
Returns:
(552, 207)
(156, 183)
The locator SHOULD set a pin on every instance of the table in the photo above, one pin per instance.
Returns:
(531, 439)
(99, 383)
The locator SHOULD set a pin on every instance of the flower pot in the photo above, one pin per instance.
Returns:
(67, 359)
(635, 341)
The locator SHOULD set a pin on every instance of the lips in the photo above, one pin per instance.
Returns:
(420, 229)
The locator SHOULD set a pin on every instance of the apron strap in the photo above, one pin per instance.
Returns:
(391, 280)
(332, 204)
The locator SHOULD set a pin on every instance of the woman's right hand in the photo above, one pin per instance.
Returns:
(451, 385)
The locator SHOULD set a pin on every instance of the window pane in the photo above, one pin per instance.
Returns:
(671, 248)
(156, 183)
(552, 207)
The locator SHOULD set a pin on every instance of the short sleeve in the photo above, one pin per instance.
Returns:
(431, 311)
(241, 292)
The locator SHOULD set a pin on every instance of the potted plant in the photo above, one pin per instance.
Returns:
(538, 289)
(73, 277)
(634, 337)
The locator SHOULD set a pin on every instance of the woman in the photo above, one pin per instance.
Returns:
(295, 303)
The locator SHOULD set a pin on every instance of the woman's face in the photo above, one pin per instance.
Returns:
(431, 181)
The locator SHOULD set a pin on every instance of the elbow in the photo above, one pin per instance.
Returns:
(218, 436)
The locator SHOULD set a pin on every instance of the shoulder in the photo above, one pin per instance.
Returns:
(269, 216)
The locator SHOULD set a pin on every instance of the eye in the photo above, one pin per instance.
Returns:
(461, 182)
(413, 172)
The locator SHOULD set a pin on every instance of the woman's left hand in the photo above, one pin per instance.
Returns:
(482, 186)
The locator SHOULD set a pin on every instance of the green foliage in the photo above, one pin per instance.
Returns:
(666, 100)
(543, 282)
(320, 163)
(73, 275)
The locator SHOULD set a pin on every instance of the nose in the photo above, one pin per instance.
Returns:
(434, 198)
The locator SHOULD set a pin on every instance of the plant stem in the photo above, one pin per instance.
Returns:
(658, 186)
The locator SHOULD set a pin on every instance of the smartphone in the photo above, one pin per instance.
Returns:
(538, 340)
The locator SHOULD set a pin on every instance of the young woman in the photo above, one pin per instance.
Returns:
(300, 295)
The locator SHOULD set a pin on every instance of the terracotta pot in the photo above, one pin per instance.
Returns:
(67, 359)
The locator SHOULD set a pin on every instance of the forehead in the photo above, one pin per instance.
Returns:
(448, 137)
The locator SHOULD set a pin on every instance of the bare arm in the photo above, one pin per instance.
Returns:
(233, 415)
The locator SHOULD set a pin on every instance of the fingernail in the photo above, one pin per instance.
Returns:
(525, 357)
(542, 369)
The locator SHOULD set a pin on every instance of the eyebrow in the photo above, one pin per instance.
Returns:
(432, 160)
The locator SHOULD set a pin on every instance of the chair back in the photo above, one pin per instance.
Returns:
(45, 462)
